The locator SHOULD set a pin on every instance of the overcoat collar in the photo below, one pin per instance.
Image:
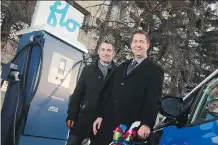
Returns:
(145, 62)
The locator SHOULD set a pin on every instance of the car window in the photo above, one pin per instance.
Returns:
(207, 105)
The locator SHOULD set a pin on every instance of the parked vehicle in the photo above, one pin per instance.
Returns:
(192, 120)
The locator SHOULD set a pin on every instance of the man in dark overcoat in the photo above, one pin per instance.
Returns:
(84, 101)
(132, 95)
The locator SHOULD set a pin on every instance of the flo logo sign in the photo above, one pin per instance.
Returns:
(58, 16)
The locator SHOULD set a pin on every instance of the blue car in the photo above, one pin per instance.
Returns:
(192, 120)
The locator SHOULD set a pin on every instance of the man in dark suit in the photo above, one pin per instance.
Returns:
(132, 95)
(84, 101)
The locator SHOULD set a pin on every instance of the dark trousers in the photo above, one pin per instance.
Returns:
(78, 140)
(75, 140)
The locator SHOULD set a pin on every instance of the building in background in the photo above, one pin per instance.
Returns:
(93, 11)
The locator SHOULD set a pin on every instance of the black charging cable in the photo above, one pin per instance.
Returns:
(23, 81)
(24, 107)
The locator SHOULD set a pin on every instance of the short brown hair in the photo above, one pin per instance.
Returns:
(140, 32)
(108, 42)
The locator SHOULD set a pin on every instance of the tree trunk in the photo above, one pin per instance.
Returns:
(174, 69)
(103, 27)
(5, 29)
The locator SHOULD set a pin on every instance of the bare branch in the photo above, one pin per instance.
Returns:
(121, 23)
(95, 16)
(97, 5)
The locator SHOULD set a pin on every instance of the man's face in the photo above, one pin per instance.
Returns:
(213, 106)
(139, 45)
(106, 52)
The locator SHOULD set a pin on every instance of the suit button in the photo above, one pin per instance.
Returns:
(122, 84)
(99, 77)
(115, 101)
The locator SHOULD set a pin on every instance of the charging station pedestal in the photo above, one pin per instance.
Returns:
(44, 123)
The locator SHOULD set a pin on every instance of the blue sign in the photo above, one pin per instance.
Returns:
(52, 19)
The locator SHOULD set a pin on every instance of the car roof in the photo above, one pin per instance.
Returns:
(202, 83)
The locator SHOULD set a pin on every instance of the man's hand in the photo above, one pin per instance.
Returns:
(144, 131)
(96, 124)
(70, 123)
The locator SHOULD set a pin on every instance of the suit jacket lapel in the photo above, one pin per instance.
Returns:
(143, 63)
(98, 74)
(126, 67)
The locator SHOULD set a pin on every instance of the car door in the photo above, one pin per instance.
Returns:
(202, 124)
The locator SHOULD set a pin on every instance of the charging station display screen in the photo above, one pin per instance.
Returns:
(60, 70)
(62, 66)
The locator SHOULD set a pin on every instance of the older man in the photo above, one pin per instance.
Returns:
(132, 95)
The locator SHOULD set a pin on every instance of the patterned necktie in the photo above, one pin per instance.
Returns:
(131, 67)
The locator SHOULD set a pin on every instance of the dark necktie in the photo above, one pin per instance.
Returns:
(131, 67)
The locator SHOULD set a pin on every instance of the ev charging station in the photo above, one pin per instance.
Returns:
(42, 76)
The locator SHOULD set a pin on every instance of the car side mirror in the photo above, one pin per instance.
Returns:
(171, 107)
